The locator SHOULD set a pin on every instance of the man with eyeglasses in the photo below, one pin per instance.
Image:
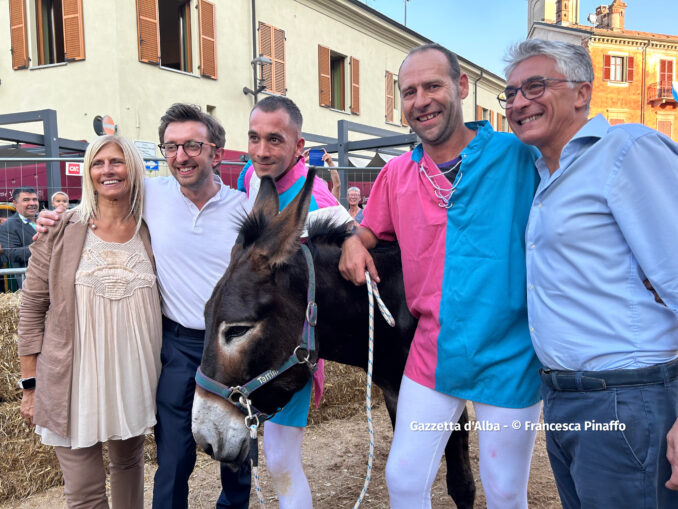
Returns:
(458, 206)
(602, 221)
(193, 221)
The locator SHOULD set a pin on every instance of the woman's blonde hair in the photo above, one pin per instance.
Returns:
(135, 173)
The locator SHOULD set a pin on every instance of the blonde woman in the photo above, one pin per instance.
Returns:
(90, 332)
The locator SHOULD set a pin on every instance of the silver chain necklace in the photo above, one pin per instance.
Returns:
(444, 194)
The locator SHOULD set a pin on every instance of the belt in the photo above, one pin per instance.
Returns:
(584, 381)
(178, 329)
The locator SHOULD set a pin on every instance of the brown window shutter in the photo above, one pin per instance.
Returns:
(208, 39)
(389, 96)
(492, 121)
(279, 61)
(17, 28)
(355, 86)
(266, 49)
(629, 69)
(499, 122)
(147, 29)
(665, 73)
(324, 76)
(479, 113)
(403, 120)
(665, 127)
(606, 67)
(74, 33)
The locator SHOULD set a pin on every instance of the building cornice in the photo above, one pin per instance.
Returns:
(375, 24)
(368, 21)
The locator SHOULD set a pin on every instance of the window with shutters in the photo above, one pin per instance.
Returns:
(618, 68)
(339, 80)
(665, 72)
(483, 114)
(166, 35)
(57, 32)
(272, 46)
(502, 124)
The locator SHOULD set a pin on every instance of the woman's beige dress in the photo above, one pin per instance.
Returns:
(116, 357)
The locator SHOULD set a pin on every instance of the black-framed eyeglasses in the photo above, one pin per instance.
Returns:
(532, 89)
(191, 148)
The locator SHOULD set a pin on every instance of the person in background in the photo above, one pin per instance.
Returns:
(16, 234)
(354, 206)
(90, 332)
(334, 174)
(599, 226)
(59, 199)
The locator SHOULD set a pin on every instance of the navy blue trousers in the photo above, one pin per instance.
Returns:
(181, 354)
(610, 467)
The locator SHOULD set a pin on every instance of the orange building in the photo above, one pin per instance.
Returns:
(633, 70)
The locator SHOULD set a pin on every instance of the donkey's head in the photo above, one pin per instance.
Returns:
(254, 322)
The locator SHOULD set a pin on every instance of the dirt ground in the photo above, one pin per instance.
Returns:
(335, 461)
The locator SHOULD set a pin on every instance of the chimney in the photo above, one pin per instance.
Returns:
(617, 8)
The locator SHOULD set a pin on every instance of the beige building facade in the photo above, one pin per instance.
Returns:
(131, 59)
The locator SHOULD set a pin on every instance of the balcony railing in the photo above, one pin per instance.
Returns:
(660, 92)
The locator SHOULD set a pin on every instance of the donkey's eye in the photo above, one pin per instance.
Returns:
(231, 334)
(235, 331)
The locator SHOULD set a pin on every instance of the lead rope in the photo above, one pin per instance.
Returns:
(254, 462)
(372, 291)
(252, 422)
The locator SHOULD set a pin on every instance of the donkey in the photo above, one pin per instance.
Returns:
(255, 316)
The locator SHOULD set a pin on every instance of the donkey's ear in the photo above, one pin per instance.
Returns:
(266, 204)
(280, 240)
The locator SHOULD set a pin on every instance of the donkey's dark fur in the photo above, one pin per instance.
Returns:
(262, 297)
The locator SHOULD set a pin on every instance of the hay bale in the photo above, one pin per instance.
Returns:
(26, 466)
(9, 358)
(343, 395)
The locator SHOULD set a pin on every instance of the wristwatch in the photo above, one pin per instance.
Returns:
(27, 383)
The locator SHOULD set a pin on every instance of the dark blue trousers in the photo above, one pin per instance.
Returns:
(181, 354)
(611, 467)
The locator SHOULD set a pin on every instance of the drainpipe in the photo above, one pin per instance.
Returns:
(643, 84)
(254, 46)
(475, 94)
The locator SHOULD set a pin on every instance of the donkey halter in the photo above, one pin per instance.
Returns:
(239, 395)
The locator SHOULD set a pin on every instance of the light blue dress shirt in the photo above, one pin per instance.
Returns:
(602, 223)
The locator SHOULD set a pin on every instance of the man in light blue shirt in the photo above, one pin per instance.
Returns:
(603, 221)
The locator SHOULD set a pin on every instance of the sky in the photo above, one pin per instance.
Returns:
(481, 30)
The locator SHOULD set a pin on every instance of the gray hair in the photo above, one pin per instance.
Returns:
(354, 188)
(136, 172)
(572, 61)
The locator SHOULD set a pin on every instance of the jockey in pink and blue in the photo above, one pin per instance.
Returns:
(458, 206)
(275, 148)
